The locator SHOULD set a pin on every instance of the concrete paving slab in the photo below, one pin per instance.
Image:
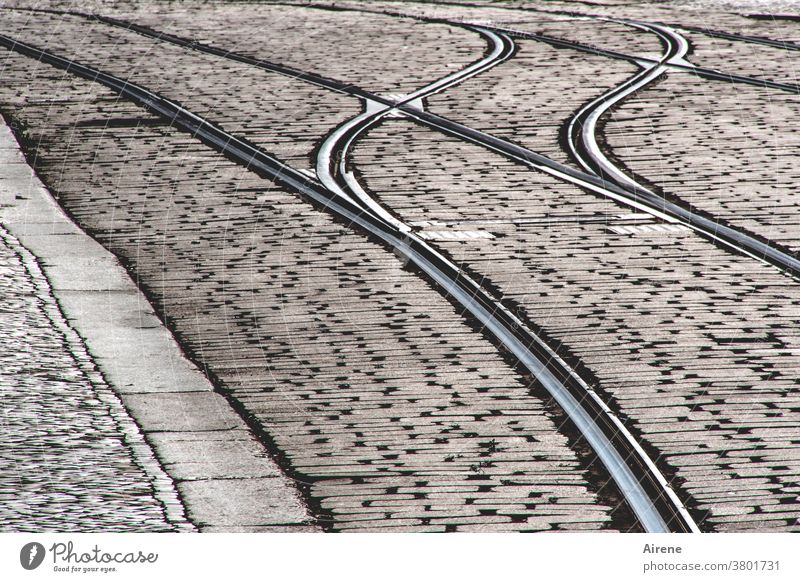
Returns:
(172, 405)
(181, 411)
(222, 455)
(240, 502)
(121, 331)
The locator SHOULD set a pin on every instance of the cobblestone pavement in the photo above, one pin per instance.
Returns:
(669, 349)
(388, 407)
(66, 463)
(727, 152)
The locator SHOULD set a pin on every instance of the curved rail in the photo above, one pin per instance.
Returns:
(726, 236)
(650, 496)
(581, 133)
(582, 142)
(336, 146)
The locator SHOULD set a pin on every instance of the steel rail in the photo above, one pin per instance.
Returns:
(728, 237)
(685, 67)
(651, 498)
(376, 107)
(581, 132)
(336, 146)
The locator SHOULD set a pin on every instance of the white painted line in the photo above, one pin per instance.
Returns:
(649, 228)
(455, 234)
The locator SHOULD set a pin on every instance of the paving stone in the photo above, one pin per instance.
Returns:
(589, 288)
(65, 465)
(316, 332)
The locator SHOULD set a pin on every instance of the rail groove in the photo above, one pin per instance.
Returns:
(715, 230)
(651, 498)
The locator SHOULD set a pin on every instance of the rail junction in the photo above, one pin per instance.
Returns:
(459, 268)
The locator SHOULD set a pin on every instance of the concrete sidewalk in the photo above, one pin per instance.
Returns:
(106, 425)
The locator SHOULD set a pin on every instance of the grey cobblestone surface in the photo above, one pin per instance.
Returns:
(383, 54)
(388, 408)
(729, 150)
(65, 463)
(697, 348)
(393, 410)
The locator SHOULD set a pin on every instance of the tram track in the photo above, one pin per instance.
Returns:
(581, 132)
(333, 153)
(710, 227)
(647, 492)
(410, 110)
(581, 138)
(376, 108)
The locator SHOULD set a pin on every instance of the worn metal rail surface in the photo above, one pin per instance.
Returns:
(710, 227)
(652, 500)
